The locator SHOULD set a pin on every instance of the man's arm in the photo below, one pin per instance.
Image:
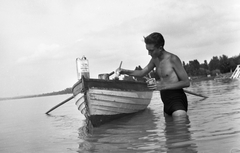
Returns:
(139, 73)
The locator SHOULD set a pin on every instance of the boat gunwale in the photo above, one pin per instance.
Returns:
(115, 85)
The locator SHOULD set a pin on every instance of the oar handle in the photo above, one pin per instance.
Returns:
(120, 65)
(195, 94)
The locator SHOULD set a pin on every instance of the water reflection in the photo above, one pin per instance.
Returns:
(214, 87)
(143, 132)
(123, 135)
(178, 136)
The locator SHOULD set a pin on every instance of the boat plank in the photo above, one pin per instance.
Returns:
(117, 105)
(118, 99)
(130, 94)
(99, 110)
(79, 98)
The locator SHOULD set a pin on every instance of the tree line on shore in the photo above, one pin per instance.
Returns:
(217, 65)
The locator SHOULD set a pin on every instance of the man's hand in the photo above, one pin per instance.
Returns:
(155, 85)
(118, 72)
(152, 84)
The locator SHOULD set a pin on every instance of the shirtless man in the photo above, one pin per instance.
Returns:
(173, 77)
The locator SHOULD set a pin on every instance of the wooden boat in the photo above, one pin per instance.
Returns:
(104, 100)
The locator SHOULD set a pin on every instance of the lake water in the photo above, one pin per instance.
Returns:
(212, 126)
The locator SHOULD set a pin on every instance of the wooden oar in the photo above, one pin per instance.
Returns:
(189, 92)
(59, 104)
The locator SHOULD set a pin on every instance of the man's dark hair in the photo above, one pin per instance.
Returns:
(156, 39)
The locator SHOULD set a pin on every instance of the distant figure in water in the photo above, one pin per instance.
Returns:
(172, 76)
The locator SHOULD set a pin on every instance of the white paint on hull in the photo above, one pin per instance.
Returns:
(102, 102)
(109, 102)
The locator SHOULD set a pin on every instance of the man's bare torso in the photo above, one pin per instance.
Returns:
(165, 68)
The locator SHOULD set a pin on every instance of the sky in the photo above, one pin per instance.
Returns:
(41, 39)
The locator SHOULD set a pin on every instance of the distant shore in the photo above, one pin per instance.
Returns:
(69, 90)
(204, 78)
(62, 92)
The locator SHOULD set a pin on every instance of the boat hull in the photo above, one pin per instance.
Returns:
(104, 100)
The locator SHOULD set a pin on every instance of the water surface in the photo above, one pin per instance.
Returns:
(212, 126)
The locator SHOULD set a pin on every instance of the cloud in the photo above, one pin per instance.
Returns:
(42, 53)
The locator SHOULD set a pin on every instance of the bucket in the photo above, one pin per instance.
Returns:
(105, 76)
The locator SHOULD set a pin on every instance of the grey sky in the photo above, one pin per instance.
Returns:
(40, 39)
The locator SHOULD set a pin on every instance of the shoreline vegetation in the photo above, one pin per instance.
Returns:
(69, 90)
